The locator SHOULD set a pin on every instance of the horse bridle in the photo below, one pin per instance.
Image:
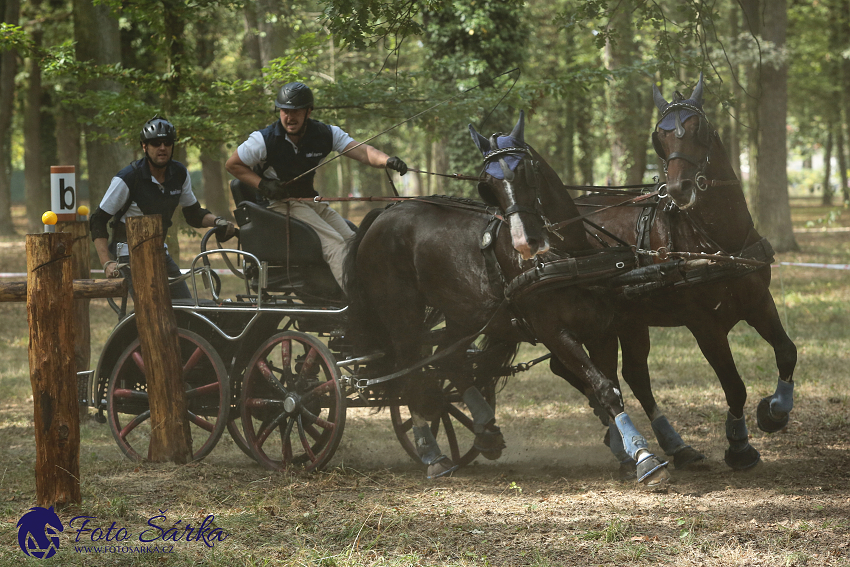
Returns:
(705, 133)
(531, 177)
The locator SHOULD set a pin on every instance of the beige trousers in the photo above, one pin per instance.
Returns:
(332, 229)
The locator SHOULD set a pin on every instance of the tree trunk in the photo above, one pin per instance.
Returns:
(439, 164)
(826, 200)
(585, 144)
(98, 41)
(752, 25)
(35, 174)
(569, 150)
(8, 69)
(216, 194)
(629, 107)
(734, 138)
(68, 139)
(841, 154)
(773, 210)
(251, 41)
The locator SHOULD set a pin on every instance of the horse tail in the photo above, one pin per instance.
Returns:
(363, 325)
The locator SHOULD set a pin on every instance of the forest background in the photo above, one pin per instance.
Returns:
(79, 78)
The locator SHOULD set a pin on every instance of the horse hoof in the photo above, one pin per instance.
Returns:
(686, 456)
(742, 460)
(490, 443)
(766, 421)
(652, 472)
(442, 466)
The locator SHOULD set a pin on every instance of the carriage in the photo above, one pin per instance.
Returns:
(271, 363)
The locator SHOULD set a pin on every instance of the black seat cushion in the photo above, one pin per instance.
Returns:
(263, 233)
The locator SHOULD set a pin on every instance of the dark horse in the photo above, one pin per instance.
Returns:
(428, 253)
(703, 211)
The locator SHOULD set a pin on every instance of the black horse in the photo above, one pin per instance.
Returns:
(703, 211)
(419, 254)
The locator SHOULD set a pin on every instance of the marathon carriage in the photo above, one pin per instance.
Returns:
(271, 364)
(277, 365)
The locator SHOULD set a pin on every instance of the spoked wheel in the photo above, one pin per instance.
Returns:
(453, 429)
(207, 397)
(293, 410)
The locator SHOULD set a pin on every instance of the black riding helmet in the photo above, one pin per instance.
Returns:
(293, 96)
(157, 129)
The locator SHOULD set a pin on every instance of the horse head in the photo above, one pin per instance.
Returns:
(683, 139)
(511, 182)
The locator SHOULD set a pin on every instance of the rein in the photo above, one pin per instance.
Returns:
(633, 200)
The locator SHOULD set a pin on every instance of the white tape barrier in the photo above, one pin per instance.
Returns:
(23, 274)
(805, 265)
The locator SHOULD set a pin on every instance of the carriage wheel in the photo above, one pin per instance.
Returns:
(453, 428)
(293, 410)
(207, 397)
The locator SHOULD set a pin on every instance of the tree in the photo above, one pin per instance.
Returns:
(772, 207)
(98, 42)
(8, 69)
(629, 104)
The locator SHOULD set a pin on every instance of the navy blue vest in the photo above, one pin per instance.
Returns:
(150, 198)
(314, 146)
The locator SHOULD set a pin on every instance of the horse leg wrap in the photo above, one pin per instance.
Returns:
(616, 445)
(633, 441)
(482, 412)
(426, 444)
(667, 437)
(488, 437)
(772, 412)
(428, 450)
(740, 455)
(672, 444)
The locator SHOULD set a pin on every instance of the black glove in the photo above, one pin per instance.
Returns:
(224, 229)
(272, 189)
(396, 164)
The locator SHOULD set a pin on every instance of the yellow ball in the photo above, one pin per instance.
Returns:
(49, 217)
(82, 210)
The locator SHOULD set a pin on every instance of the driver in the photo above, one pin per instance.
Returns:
(153, 185)
(292, 146)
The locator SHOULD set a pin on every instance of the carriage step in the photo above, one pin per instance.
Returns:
(84, 387)
(360, 359)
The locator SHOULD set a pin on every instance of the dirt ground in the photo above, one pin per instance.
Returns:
(554, 498)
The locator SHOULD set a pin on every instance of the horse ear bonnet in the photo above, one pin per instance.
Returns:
(668, 122)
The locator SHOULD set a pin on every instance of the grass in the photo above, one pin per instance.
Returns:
(551, 500)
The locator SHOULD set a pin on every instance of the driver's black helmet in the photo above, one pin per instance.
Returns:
(293, 96)
(157, 129)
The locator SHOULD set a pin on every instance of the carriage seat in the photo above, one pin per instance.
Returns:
(263, 233)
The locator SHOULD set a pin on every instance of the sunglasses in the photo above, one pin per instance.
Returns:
(158, 143)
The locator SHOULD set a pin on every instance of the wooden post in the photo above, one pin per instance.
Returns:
(81, 268)
(170, 435)
(50, 311)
